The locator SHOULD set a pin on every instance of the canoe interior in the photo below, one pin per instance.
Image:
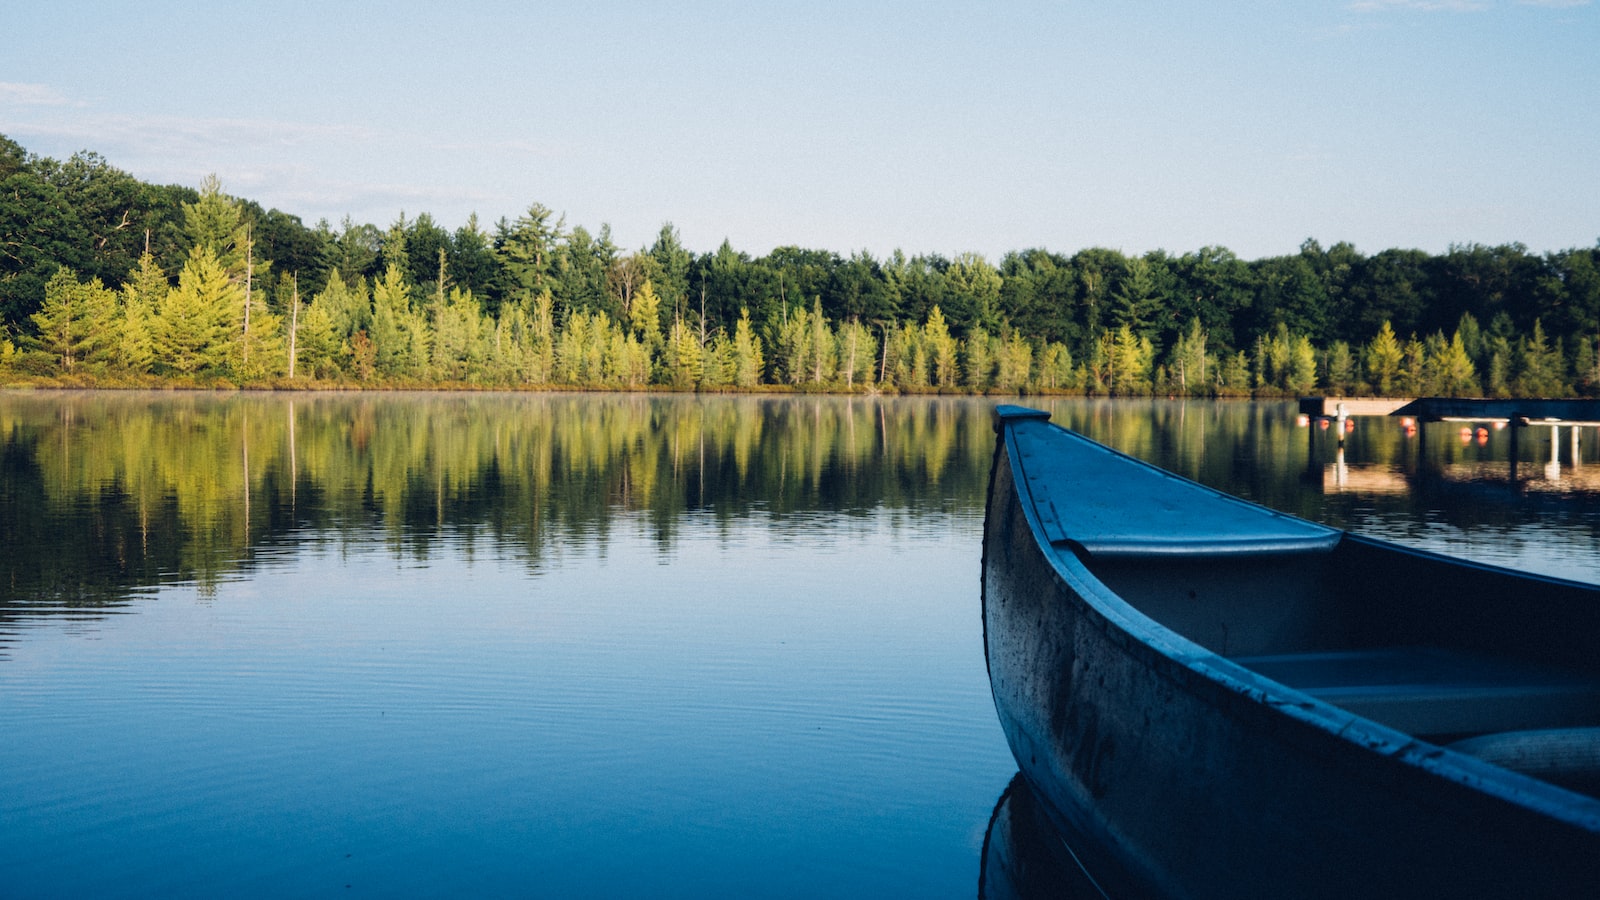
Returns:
(1429, 647)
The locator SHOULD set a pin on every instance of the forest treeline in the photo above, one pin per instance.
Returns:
(107, 280)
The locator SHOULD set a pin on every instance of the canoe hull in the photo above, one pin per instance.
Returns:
(1192, 779)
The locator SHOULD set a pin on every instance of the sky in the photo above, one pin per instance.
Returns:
(930, 127)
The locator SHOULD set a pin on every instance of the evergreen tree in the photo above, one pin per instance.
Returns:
(1188, 364)
(393, 328)
(1453, 374)
(316, 344)
(940, 348)
(1301, 377)
(1015, 363)
(823, 362)
(1131, 360)
(76, 321)
(1384, 356)
(683, 359)
(644, 314)
(195, 320)
(1414, 369)
(1233, 380)
(1055, 370)
(747, 361)
(346, 305)
(142, 294)
(978, 361)
(1339, 369)
(1540, 369)
(858, 353)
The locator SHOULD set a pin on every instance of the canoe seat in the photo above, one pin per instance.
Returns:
(1427, 691)
(1569, 757)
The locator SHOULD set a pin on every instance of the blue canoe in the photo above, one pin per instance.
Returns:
(1219, 700)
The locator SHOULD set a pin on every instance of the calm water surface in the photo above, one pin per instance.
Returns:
(573, 645)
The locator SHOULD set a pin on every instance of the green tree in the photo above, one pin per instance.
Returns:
(195, 320)
(76, 321)
(1339, 369)
(1414, 368)
(1453, 374)
(1015, 363)
(1135, 302)
(1383, 357)
(1130, 360)
(347, 306)
(1540, 366)
(1301, 377)
(1055, 369)
(1189, 364)
(142, 294)
(978, 359)
(526, 251)
(858, 353)
(683, 359)
(317, 346)
(972, 291)
(747, 361)
(940, 348)
(644, 314)
(396, 331)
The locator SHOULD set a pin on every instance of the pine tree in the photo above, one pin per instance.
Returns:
(76, 320)
(978, 359)
(142, 295)
(1384, 356)
(1540, 369)
(1055, 368)
(1015, 363)
(644, 314)
(858, 353)
(747, 361)
(195, 320)
(392, 324)
(1339, 368)
(1188, 364)
(1453, 374)
(823, 362)
(316, 345)
(941, 348)
(1301, 377)
(683, 360)
(346, 306)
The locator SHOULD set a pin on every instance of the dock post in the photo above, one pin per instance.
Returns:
(1516, 429)
(1552, 469)
(1340, 418)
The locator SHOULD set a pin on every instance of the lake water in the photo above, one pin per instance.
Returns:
(575, 645)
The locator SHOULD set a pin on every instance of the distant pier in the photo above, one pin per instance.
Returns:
(1455, 409)
(1574, 415)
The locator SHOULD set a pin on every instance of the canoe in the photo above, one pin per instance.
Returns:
(1221, 700)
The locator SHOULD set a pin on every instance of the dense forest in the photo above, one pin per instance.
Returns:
(106, 280)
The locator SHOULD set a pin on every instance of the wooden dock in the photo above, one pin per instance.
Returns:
(1456, 409)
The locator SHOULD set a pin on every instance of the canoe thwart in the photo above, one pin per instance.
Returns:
(1429, 691)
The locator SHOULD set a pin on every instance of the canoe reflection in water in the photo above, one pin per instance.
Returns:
(1025, 857)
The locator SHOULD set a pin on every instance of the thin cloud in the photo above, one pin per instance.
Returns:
(177, 133)
(1456, 6)
(1555, 4)
(13, 93)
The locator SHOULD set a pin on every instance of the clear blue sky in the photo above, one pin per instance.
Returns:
(931, 127)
